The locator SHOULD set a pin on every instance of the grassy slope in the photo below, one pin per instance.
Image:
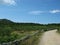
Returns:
(7, 27)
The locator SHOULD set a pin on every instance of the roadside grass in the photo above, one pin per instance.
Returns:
(34, 40)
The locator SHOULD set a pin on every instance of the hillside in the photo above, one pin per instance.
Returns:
(5, 23)
(10, 30)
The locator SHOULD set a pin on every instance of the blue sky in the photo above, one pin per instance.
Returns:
(35, 11)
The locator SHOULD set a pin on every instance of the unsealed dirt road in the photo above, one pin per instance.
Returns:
(50, 38)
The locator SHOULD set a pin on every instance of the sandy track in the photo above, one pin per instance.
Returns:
(50, 38)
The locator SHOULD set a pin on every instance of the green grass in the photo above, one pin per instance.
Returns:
(34, 40)
(10, 31)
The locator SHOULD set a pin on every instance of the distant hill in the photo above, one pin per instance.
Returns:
(5, 21)
(27, 26)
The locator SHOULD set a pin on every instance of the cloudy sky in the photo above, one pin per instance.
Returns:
(35, 11)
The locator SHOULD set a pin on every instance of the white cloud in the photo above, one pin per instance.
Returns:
(44, 12)
(35, 12)
(8, 2)
(54, 11)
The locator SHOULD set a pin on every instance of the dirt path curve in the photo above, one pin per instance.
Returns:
(50, 38)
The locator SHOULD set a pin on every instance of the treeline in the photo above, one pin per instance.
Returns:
(19, 26)
(7, 24)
